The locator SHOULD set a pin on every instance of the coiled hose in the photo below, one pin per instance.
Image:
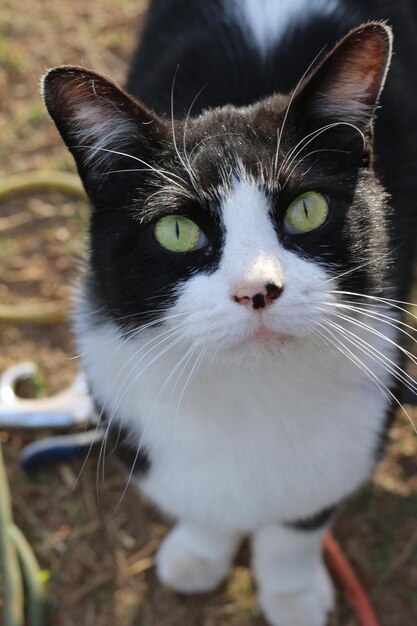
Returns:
(26, 184)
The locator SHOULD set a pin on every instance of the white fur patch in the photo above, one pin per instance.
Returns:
(294, 587)
(266, 21)
(102, 131)
(250, 254)
(196, 558)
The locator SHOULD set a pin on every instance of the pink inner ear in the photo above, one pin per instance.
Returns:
(72, 87)
(101, 130)
(100, 119)
(363, 71)
(348, 83)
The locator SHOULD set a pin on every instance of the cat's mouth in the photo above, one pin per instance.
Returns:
(264, 334)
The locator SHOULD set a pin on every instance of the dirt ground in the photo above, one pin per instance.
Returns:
(99, 560)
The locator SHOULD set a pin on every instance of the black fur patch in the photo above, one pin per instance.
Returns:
(127, 452)
(120, 442)
(315, 522)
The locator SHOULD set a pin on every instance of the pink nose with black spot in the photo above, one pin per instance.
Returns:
(258, 296)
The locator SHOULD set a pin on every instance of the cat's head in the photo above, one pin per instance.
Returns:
(241, 223)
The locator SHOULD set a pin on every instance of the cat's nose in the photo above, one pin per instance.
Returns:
(258, 296)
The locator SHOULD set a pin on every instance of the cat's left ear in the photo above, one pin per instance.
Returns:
(347, 84)
(100, 123)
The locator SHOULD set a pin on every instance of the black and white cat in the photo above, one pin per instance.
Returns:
(238, 319)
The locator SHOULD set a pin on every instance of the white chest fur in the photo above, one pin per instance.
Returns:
(248, 443)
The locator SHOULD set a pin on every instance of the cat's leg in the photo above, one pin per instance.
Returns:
(195, 558)
(294, 587)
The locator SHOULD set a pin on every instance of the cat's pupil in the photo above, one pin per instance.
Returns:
(177, 230)
(305, 209)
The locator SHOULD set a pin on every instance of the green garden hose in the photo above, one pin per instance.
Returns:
(18, 566)
(24, 184)
(17, 558)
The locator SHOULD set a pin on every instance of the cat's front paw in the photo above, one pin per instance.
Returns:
(183, 567)
(306, 607)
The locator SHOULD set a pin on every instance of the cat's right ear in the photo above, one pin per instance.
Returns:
(99, 122)
(346, 85)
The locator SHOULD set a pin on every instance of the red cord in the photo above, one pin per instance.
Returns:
(341, 568)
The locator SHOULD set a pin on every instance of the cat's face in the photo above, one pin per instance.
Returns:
(235, 227)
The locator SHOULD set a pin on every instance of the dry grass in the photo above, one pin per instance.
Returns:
(100, 562)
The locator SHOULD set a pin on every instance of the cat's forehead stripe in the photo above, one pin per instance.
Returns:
(243, 200)
(246, 215)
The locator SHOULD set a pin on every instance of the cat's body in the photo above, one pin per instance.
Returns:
(249, 386)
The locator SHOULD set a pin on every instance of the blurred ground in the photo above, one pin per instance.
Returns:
(100, 561)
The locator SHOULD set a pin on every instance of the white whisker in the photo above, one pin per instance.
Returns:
(148, 421)
(361, 345)
(292, 155)
(394, 368)
(128, 336)
(388, 301)
(184, 162)
(165, 175)
(376, 315)
(190, 376)
(288, 177)
(280, 131)
(210, 138)
(184, 139)
(366, 370)
(168, 335)
(358, 267)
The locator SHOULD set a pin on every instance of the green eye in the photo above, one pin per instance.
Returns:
(179, 234)
(306, 213)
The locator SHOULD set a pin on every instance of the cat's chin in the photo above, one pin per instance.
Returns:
(265, 335)
(255, 353)
(266, 342)
(262, 342)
